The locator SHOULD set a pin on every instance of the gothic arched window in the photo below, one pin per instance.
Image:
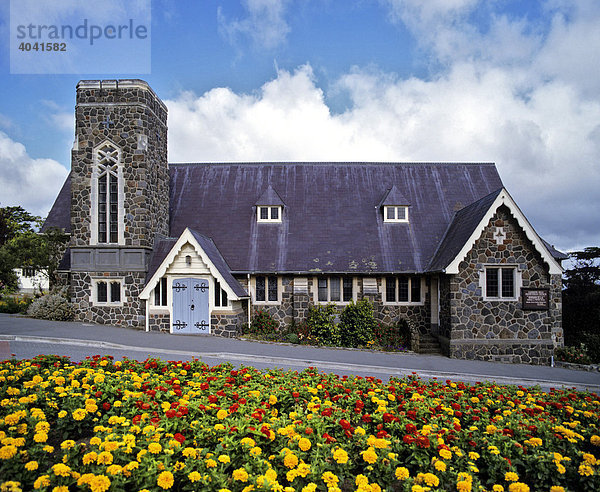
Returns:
(107, 195)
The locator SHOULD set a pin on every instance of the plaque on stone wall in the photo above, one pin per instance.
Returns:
(535, 299)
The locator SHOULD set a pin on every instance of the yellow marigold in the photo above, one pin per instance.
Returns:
(518, 487)
(445, 453)
(194, 476)
(589, 458)
(105, 458)
(90, 457)
(12, 486)
(48, 449)
(402, 473)
(474, 456)
(311, 487)
(595, 440)
(154, 448)
(31, 465)
(61, 470)
(210, 463)
(304, 444)
(497, 488)
(557, 488)
(290, 460)
(464, 486)
(79, 414)
(240, 475)
(493, 450)
(221, 414)
(189, 453)
(40, 437)
(43, 481)
(95, 441)
(585, 470)
(99, 483)
(340, 456)
(223, 458)
(511, 477)
(68, 444)
(114, 469)
(370, 456)
(248, 441)
(330, 479)
(7, 452)
(165, 480)
(429, 479)
(272, 399)
(440, 466)
(255, 451)
(42, 427)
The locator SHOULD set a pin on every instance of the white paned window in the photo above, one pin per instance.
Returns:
(107, 292)
(403, 290)
(268, 214)
(334, 289)
(266, 289)
(107, 196)
(500, 283)
(395, 213)
(160, 293)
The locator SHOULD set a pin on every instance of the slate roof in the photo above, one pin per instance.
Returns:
(459, 230)
(332, 219)
(60, 213)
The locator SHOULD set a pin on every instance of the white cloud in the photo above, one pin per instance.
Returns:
(31, 183)
(265, 23)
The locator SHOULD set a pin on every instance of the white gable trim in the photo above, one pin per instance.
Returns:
(186, 237)
(504, 198)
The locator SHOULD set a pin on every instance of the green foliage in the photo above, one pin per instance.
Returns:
(575, 355)
(53, 307)
(262, 324)
(321, 326)
(357, 324)
(581, 295)
(15, 304)
(394, 337)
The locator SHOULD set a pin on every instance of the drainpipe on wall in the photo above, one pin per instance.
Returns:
(249, 301)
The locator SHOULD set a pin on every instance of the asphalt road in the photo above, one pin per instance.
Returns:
(27, 337)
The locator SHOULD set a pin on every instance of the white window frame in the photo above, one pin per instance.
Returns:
(228, 306)
(315, 289)
(269, 209)
(517, 282)
(108, 280)
(410, 302)
(160, 287)
(266, 302)
(116, 158)
(396, 215)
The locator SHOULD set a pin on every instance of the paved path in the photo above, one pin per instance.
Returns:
(101, 339)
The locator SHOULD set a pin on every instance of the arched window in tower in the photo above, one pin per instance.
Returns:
(107, 192)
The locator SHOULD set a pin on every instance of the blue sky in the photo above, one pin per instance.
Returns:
(507, 81)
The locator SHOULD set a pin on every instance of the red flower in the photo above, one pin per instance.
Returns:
(408, 439)
(327, 412)
(345, 424)
(328, 438)
(106, 406)
(180, 438)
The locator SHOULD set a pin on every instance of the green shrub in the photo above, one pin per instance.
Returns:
(357, 324)
(15, 304)
(592, 346)
(53, 307)
(262, 324)
(320, 325)
(575, 355)
(394, 337)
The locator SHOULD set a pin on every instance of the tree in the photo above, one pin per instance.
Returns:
(21, 246)
(581, 295)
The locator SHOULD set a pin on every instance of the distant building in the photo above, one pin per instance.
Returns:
(31, 280)
(195, 248)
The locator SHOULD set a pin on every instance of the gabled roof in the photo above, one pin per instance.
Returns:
(332, 223)
(167, 249)
(270, 197)
(393, 196)
(468, 225)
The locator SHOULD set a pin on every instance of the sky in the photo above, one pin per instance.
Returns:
(506, 81)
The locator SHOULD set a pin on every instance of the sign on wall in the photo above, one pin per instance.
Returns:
(535, 299)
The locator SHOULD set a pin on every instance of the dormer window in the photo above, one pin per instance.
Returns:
(395, 213)
(269, 214)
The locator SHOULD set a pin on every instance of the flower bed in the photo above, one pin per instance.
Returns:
(154, 425)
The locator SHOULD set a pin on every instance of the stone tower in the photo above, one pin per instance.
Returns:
(119, 197)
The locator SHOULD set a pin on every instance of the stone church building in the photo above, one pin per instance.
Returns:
(195, 248)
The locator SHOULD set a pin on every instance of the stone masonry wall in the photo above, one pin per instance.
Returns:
(131, 313)
(159, 322)
(133, 110)
(502, 330)
(295, 307)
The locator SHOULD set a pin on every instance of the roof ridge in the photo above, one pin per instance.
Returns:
(333, 163)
